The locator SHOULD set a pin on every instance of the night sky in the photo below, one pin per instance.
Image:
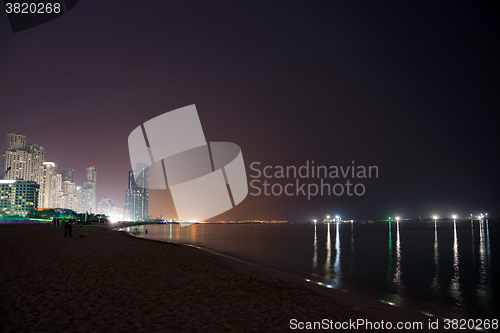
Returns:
(409, 86)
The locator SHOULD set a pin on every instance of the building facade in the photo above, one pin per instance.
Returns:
(89, 192)
(69, 175)
(24, 162)
(106, 206)
(47, 181)
(137, 197)
(18, 197)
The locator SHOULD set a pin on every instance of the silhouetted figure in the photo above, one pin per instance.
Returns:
(70, 230)
(65, 229)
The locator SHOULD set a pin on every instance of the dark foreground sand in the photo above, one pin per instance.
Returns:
(109, 281)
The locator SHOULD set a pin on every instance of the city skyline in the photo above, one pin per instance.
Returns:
(66, 194)
(57, 188)
(22, 164)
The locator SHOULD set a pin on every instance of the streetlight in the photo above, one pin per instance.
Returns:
(435, 217)
(328, 216)
(454, 217)
(397, 218)
(315, 221)
(337, 217)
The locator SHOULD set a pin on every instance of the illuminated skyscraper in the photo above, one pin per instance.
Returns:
(47, 180)
(23, 161)
(137, 196)
(37, 157)
(58, 198)
(89, 192)
(69, 175)
(106, 206)
(16, 141)
(91, 175)
(69, 190)
(78, 200)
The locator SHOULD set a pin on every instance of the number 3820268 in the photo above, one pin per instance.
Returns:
(32, 8)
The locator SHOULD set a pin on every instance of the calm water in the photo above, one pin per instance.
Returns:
(445, 267)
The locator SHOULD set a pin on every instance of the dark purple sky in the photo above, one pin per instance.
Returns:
(412, 87)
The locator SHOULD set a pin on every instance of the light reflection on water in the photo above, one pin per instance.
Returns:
(315, 256)
(336, 282)
(398, 272)
(435, 281)
(328, 261)
(444, 263)
(484, 286)
(455, 281)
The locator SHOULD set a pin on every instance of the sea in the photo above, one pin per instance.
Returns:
(446, 268)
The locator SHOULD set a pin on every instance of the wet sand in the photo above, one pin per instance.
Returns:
(109, 281)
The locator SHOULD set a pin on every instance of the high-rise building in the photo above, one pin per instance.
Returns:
(89, 192)
(69, 175)
(18, 197)
(78, 200)
(19, 163)
(16, 141)
(91, 174)
(24, 162)
(47, 180)
(58, 198)
(37, 156)
(137, 196)
(69, 190)
(106, 206)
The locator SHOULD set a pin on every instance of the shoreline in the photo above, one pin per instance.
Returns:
(109, 281)
(370, 304)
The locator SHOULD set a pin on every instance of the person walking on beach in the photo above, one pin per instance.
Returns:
(65, 229)
(70, 230)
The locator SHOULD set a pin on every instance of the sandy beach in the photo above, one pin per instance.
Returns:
(109, 281)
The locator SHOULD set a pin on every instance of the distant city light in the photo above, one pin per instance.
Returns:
(315, 221)
(113, 220)
(435, 217)
(397, 218)
(328, 216)
(454, 217)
